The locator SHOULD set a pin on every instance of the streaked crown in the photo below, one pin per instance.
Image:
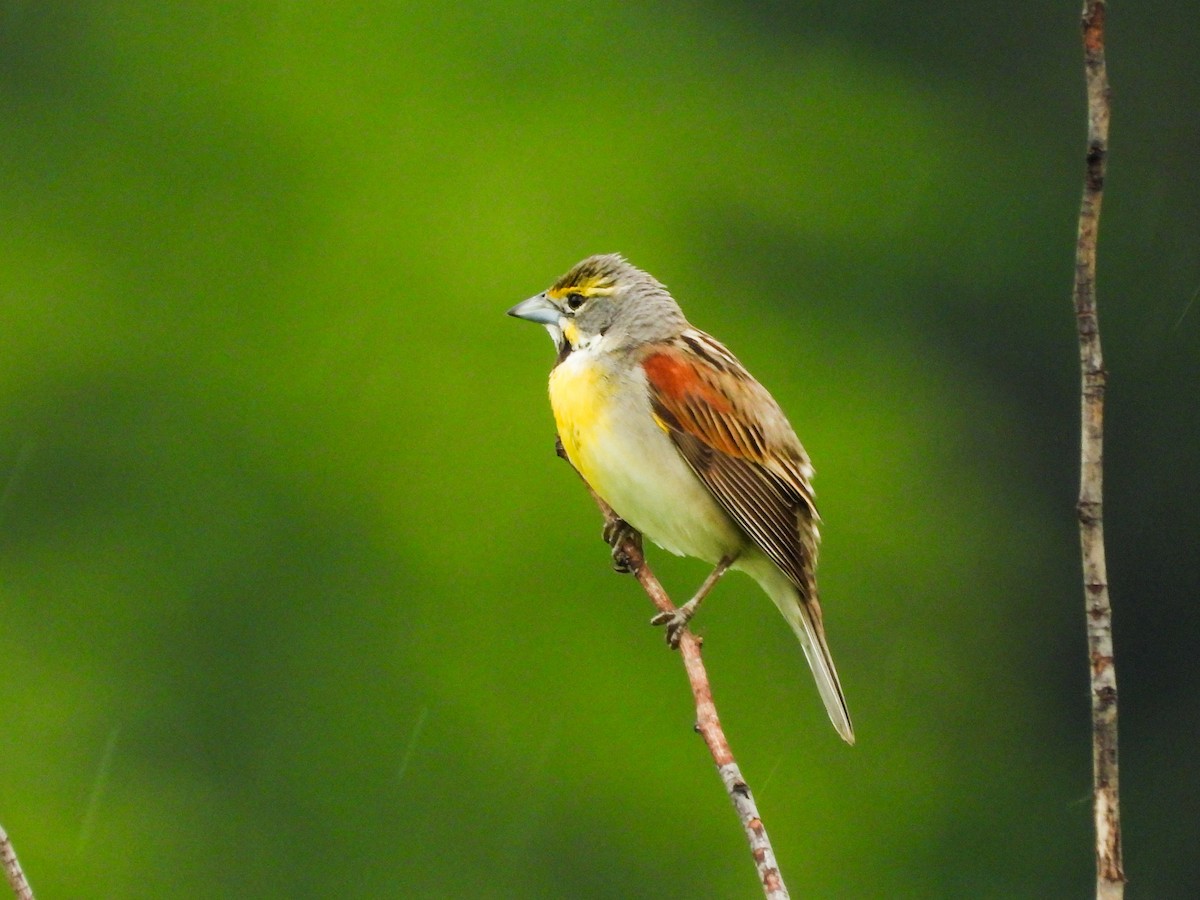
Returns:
(598, 276)
(611, 293)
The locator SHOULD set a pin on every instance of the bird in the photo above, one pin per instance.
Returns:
(673, 432)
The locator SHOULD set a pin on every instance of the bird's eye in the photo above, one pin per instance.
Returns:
(574, 301)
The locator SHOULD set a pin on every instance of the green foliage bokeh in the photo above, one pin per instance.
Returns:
(295, 599)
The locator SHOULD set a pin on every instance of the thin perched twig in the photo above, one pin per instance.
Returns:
(707, 722)
(12, 868)
(1110, 876)
(627, 552)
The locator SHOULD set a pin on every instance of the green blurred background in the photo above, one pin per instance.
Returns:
(295, 599)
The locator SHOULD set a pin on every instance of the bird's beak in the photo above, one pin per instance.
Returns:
(537, 309)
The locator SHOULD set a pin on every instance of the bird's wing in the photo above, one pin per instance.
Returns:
(738, 442)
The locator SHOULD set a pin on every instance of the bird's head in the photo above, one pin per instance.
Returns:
(603, 298)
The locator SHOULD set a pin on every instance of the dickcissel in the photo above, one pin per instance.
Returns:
(679, 439)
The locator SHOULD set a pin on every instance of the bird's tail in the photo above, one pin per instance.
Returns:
(805, 618)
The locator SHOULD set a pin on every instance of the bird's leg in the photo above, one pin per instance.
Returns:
(677, 620)
(616, 532)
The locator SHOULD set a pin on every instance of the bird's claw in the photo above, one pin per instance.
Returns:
(620, 562)
(676, 621)
(616, 532)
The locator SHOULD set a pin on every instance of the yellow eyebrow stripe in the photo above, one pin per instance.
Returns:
(591, 287)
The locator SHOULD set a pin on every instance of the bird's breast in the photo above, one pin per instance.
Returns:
(581, 394)
(610, 435)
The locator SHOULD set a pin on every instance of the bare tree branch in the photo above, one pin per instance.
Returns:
(1110, 876)
(12, 868)
(628, 557)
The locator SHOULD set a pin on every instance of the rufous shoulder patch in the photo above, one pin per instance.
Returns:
(679, 382)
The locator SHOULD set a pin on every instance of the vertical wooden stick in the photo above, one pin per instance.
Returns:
(12, 869)
(1110, 875)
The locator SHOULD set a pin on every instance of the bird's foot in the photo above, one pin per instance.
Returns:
(676, 622)
(677, 619)
(616, 533)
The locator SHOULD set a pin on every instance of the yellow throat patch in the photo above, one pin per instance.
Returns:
(579, 395)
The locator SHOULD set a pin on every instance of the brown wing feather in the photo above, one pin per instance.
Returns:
(738, 442)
